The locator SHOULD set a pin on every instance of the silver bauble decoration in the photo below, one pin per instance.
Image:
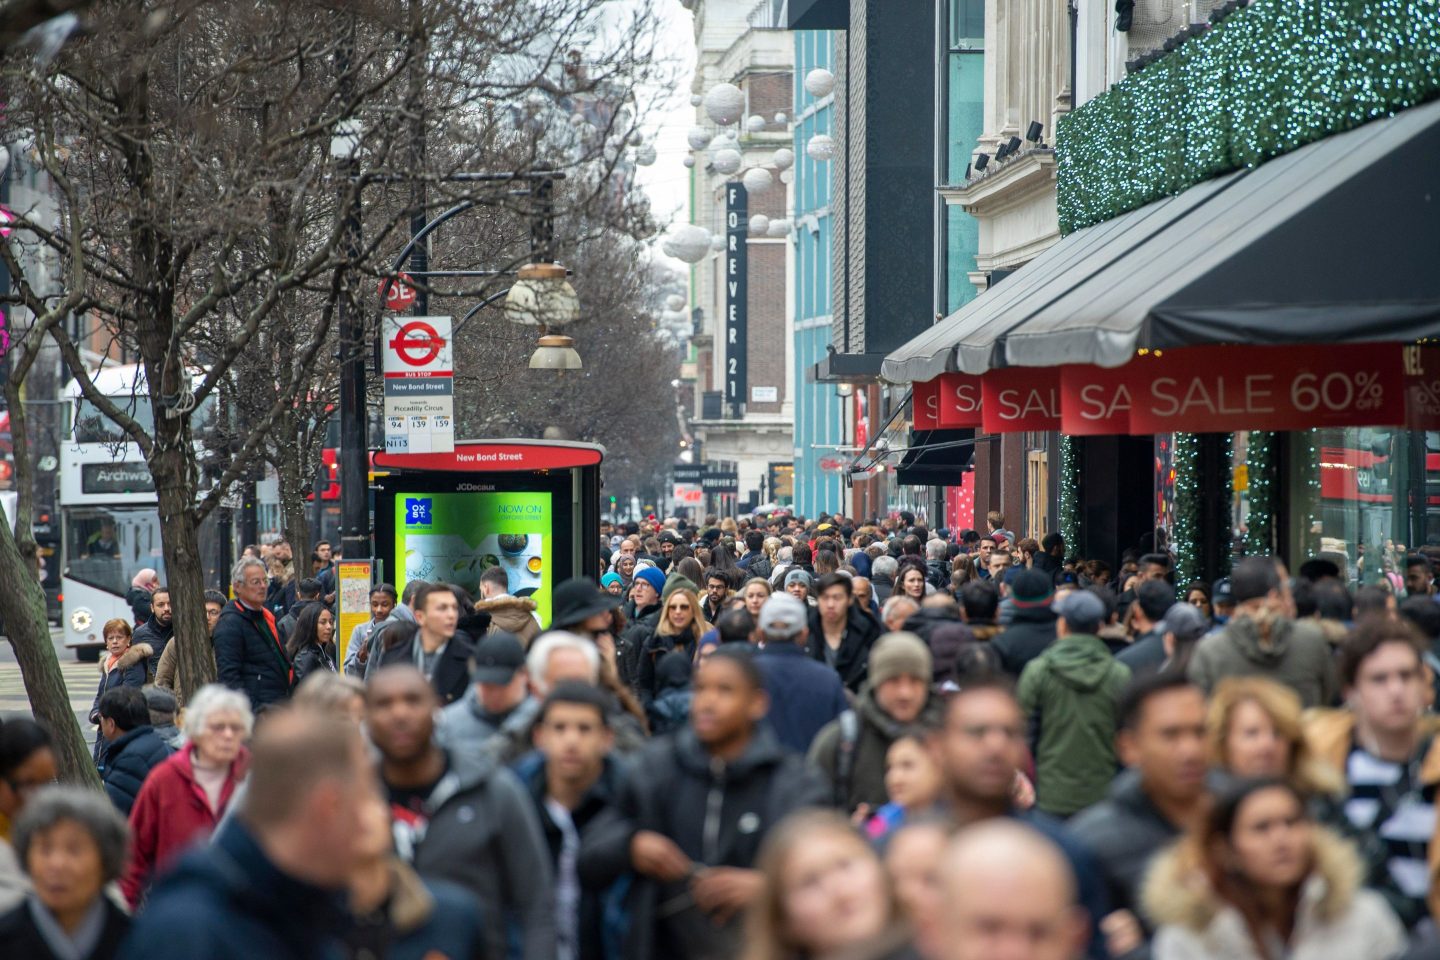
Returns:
(687, 242)
(757, 180)
(726, 161)
(698, 138)
(755, 123)
(783, 159)
(819, 82)
(725, 104)
(821, 147)
(759, 225)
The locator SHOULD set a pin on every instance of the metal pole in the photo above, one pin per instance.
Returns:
(354, 451)
(420, 254)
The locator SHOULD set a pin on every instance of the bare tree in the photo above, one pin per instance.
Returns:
(194, 146)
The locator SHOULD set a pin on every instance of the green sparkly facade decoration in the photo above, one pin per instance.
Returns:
(1267, 79)
(1260, 456)
(1185, 538)
(1070, 493)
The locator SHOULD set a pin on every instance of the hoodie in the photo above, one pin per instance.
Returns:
(1069, 693)
(1294, 653)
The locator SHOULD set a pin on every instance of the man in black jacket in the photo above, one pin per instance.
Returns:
(572, 779)
(841, 634)
(158, 630)
(307, 591)
(249, 654)
(691, 816)
(642, 613)
(1032, 628)
(432, 643)
(459, 817)
(132, 747)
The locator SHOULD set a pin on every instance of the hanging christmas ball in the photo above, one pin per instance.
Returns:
(636, 138)
(781, 119)
(675, 302)
(757, 180)
(577, 120)
(689, 160)
(821, 147)
(687, 242)
(698, 138)
(717, 242)
(645, 155)
(759, 225)
(696, 99)
(725, 104)
(779, 228)
(755, 123)
(783, 159)
(726, 161)
(787, 176)
(819, 82)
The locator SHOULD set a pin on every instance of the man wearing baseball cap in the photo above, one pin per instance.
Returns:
(1069, 693)
(805, 694)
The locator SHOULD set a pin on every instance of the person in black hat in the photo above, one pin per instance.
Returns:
(579, 606)
(1032, 628)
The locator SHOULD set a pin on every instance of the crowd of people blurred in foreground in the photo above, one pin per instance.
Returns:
(758, 738)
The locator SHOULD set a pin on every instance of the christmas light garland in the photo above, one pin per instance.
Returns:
(1260, 462)
(1265, 80)
(1070, 493)
(1188, 535)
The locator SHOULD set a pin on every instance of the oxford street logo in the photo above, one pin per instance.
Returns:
(418, 512)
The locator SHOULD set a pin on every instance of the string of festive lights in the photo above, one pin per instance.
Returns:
(1261, 466)
(1185, 537)
(1265, 80)
(1070, 493)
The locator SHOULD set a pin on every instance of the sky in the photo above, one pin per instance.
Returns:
(667, 180)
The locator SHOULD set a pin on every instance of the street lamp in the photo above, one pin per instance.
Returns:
(542, 297)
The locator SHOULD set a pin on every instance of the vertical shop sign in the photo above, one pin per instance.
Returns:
(737, 229)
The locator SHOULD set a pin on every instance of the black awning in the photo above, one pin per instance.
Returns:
(936, 458)
(1335, 242)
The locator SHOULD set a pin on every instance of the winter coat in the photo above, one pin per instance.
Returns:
(670, 710)
(14, 882)
(228, 901)
(881, 587)
(20, 935)
(312, 658)
(170, 735)
(937, 574)
(1031, 630)
(1069, 693)
(169, 814)
(656, 646)
(1336, 918)
(804, 695)
(451, 676)
(129, 671)
(166, 666)
(877, 731)
(158, 637)
(250, 656)
(1296, 655)
(483, 835)
(1145, 655)
(466, 728)
(631, 644)
(852, 659)
(513, 615)
(1330, 735)
(423, 919)
(598, 799)
(1124, 831)
(716, 813)
(128, 761)
(286, 624)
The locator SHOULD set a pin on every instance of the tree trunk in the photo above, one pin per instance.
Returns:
(22, 604)
(294, 510)
(184, 573)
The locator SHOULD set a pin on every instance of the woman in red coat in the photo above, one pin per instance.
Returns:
(185, 797)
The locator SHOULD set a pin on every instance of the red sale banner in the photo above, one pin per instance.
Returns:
(1096, 400)
(1422, 387)
(1225, 388)
(1020, 398)
(925, 403)
(961, 400)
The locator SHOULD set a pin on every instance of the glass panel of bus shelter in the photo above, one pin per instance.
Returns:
(105, 548)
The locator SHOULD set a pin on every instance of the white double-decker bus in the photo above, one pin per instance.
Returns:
(109, 514)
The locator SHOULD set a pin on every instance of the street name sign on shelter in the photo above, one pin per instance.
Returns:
(419, 385)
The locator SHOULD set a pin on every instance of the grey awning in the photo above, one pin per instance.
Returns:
(1336, 241)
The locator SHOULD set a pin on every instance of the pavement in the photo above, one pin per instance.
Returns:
(80, 682)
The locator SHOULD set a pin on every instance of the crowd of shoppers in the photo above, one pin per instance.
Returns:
(760, 738)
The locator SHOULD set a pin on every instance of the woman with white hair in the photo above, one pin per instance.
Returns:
(185, 797)
(71, 842)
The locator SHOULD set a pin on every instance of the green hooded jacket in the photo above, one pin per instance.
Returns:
(1069, 694)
